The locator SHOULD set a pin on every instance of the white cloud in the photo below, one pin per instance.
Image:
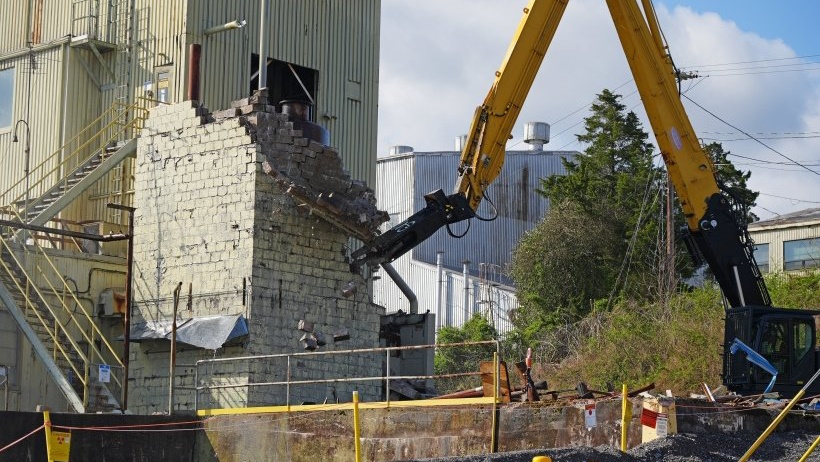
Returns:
(438, 60)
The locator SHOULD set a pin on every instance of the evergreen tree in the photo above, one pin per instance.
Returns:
(616, 184)
(732, 180)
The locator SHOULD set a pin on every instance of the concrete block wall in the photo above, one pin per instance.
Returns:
(207, 215)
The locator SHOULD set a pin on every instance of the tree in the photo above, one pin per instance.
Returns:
(464, 358)
(616, 185)
(568, 259)
(732, 180)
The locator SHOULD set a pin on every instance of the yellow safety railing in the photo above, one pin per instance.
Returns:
(118, 123)
(63, 316)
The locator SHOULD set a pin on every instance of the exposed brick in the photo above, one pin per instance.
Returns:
(213, 209)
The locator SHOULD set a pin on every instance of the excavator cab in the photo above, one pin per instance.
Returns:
(786, 338)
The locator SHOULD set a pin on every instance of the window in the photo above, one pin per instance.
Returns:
(774, 345)
(762, 257)
(162, 77)
(286, 81)
(6, 97)
(801, 254)
(803, 341)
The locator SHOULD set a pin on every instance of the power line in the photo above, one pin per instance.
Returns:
(753, 61)
(750, 136)
(754, 68)
(763, 72)
(790, 198)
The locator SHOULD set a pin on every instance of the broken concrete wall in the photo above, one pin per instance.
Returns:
(208, 216)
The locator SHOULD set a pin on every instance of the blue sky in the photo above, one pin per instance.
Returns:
(438, 60)
(794, 21)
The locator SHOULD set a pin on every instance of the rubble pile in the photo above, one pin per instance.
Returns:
(309, 171)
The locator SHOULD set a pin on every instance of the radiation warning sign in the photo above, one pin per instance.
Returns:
(60, 446)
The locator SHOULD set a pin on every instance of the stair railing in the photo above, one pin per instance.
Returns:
(119, 122)
(64, 295)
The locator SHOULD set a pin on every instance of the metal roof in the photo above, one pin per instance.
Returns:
(801, 217)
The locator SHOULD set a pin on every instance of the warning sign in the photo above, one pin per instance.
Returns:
(590, 419)
(105, 373)
(662, 425)
(60, 446)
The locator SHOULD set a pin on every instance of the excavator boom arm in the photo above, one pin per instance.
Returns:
(717, 232)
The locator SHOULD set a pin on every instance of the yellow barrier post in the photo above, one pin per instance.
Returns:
(813, 446)
(778, 419)
(494, 431)
(47, 428)
(626, 415)
(356, 429)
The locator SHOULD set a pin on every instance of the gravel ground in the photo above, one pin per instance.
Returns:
(684, 447)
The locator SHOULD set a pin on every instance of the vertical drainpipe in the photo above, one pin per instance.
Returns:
(467, 310)
(439, 282)
(263, 44)
(64, 110)
(194, 53)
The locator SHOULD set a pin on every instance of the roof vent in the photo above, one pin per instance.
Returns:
(461, 140)
(400, 149)
(536, 134)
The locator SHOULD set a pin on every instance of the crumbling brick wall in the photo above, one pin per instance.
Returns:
(213, 211)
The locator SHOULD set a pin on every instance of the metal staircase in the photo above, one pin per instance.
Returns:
(62, 332)
(61, 177)
(47, 206)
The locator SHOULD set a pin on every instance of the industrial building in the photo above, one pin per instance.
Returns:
(97, 129)
(480, 257)
(788, 243)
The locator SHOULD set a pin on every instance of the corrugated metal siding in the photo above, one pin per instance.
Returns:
(487, 298)
(776, 237)
(340, 40)
(13, 30)
(40, 87)
(55, 21)
(514, 194)
(403, 180)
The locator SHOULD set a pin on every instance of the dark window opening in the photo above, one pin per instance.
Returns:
(286, 81)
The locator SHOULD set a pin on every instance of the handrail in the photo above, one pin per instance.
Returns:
(66, 290)
(197, 388)
(96, 143)
(82, 376)
(30, 304)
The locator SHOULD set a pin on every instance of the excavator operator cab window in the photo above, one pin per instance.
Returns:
(803, 338)
(774, 345)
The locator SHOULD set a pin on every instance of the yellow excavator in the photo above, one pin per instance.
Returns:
(716, 229)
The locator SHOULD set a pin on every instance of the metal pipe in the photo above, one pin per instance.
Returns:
(466, 273)
(439, 277)
(64, 112)
(739, 287)
(4, 374)
(194, 54)
(235, 24)
(127, 321)
(811, 449)
(64, 232)
(263, 44)
(779, 418)
(173, 351)
(387, 379)
(405, 289)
